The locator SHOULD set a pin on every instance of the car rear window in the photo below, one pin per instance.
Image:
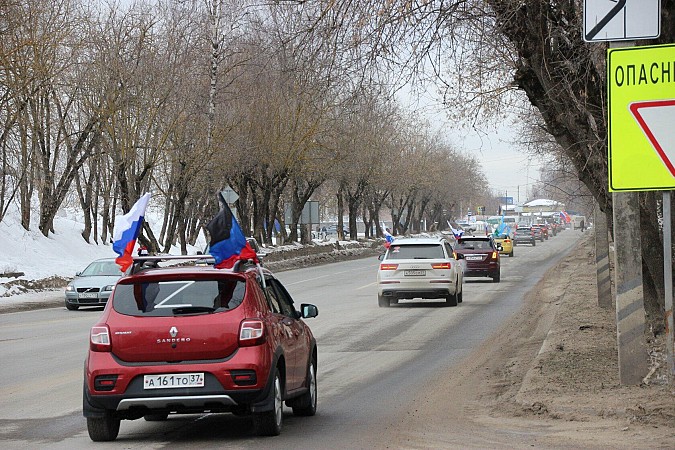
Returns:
(178, 297)
(474, 245)
(417, 251)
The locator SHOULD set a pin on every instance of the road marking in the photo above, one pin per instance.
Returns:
(367, 285)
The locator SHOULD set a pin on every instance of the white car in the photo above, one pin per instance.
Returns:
(419, 268)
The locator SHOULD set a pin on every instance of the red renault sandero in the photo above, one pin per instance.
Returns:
(192, 339)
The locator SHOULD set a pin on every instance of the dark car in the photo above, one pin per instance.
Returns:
(192, 339)
(544, 229)
(538, 234)
(525, 235)
(481, 254)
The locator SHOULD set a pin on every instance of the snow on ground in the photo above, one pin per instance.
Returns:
(62, 254)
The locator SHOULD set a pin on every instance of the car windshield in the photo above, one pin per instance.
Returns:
(179, 297)
(474, 245)
(418, 251)
(101, 268)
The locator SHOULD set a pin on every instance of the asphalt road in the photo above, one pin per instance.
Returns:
(372, 361)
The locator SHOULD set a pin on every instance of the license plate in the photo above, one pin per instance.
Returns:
(414, 273)
(474, 257)
(88, 295)
(173, 380)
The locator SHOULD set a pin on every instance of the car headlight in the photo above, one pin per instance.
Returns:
(70, 288)
(108, 287)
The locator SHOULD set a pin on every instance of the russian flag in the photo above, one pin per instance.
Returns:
(127, 229)
(228, 243)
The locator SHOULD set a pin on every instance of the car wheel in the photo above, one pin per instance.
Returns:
(451, 299)
(71, 307)
(511, 254)
(156, 417)
(103, 428)
(307, 402)
(268, 423)
(495, 279)
(382, 301)
(460, 296)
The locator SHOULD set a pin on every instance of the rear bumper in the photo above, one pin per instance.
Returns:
(128, 399)
(416, 293)
(491, 270)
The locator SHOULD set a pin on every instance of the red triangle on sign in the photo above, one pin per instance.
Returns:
(657, 120)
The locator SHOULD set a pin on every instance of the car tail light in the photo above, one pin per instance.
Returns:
(385, 266)
(441, 266)
(495, 255)
(99, 339)
(251, 332)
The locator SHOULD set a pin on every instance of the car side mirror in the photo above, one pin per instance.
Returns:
(77, 274)
(380, 257)
(499, 247)
(308, 310)
(460, 255)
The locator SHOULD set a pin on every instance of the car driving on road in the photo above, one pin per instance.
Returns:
(93, 286)
(192, 339)
(506, 242)
(481, 255)
(419, 268)
(524, 235)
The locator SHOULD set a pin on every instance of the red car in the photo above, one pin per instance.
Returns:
(544, 229)
(192, 339)
(481, 254)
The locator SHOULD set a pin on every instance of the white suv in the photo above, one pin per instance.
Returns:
(420, 268)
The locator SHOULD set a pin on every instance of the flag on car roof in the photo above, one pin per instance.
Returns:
(127, 229)
(457, 233)
(228, 243)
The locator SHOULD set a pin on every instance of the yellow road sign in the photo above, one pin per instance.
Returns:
(641, 88)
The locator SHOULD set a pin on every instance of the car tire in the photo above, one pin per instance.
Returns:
(269, 423)
(460, 296)
(382, 301)
(511, 254)
(71, 307)
(451, 299)
(307, 401)
(103, 429)
(496, 278)
(161, 417)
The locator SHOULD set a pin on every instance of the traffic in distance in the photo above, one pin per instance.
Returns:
(435, 268)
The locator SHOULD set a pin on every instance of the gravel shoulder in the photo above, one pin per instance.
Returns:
(547, 379)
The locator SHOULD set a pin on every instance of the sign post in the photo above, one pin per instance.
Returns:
(641, 152)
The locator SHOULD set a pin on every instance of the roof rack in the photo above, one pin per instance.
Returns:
(152, 262)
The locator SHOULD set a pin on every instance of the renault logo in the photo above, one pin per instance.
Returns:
(173, 332)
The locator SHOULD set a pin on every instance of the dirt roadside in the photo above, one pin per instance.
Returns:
(547, 379)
